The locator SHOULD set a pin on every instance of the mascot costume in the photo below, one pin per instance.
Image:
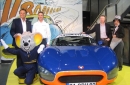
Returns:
(29, 49)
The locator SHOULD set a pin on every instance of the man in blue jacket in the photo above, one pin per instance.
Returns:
(20, 25)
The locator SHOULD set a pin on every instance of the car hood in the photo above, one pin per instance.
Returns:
(66, 58)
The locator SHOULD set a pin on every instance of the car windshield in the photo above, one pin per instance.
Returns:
(72, 41)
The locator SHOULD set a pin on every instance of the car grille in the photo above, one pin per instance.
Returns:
(80, 78)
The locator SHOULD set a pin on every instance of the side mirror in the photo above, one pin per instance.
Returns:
(100, 42)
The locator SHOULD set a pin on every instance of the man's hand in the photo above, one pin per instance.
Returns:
(114, 36)
(83, 33)
(47, 45)
(16, 34)
(108, 39)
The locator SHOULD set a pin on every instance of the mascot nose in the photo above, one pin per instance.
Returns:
(25, 44)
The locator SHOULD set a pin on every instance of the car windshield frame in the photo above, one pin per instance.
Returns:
(73, 41)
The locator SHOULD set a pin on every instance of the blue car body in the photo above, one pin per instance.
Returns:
(57, 59)
(66, 58)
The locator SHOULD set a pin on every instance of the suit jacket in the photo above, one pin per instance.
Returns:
(96, 29)
(120, 32)
(18, 28)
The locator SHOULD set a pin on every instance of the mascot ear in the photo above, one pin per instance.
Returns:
(18, 39)
(37, 38)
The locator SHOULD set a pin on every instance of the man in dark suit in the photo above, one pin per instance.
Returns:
(102, 31)
(20, 25)
(119, 33)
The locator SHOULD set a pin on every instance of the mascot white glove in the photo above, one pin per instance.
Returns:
(40, 49)
(4, 44)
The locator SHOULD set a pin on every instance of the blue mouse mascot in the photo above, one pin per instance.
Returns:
(29, 49)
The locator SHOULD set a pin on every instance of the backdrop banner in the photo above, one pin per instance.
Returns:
(63, 16)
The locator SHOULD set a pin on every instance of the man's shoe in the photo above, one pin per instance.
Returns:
(120, 68)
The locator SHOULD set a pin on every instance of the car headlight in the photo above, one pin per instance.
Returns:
(45, 74)
(112, 74)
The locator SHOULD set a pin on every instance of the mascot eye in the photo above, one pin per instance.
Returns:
(23, 41)
(28, 40)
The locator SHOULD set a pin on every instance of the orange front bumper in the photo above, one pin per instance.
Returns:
(103, 81)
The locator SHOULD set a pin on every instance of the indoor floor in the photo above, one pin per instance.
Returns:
(122, 79)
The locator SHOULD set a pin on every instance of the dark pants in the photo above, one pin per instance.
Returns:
(104, 42)
(119, 53)
(26, 71)
(19, 61)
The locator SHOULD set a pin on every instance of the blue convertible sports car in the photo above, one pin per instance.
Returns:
(75, 59)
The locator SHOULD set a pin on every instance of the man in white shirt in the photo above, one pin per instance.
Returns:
(103, 31)
(42, 27)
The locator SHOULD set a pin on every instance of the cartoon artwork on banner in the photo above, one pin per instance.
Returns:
(63, 16)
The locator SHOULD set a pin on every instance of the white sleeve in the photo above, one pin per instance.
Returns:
(48, 34)
(4, 44)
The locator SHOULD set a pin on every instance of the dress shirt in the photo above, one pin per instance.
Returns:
(43, 28)
(24, 25)
(115, 29)
(103, 31)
